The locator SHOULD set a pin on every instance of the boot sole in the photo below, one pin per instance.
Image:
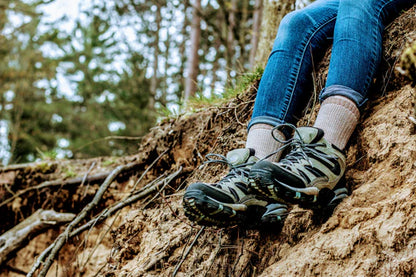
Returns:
(206, 211)
(264, 184)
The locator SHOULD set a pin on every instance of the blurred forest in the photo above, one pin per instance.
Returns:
(94, 88)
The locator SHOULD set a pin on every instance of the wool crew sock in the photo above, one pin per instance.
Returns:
(338, 117)
(261, 140)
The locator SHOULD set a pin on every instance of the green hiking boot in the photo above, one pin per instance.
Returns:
(229, 201)
(311, 174)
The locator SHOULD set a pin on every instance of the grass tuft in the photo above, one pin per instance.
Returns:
(242, 84)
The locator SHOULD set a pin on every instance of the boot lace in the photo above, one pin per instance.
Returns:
(300, 150)
(236, 171)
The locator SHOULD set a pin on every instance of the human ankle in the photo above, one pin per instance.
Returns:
(260, 139)
(337, 117)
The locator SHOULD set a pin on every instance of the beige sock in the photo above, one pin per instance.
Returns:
(338, 117)
(261, 140)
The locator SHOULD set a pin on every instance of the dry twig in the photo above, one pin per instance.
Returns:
(147, 169)
(62, 238)
(187, 252)
(74, 181)
(14, 239)
(85, 179)
(50, 253)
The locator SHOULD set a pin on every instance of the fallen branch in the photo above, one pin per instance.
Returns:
(62, 238)
(127, 201)
(15, 238)
(14, 167)
(74, 181)
(50, 253)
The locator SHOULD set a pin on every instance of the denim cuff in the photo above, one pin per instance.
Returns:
(264, 119)
(351, 94)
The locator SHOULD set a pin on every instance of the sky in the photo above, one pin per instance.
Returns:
(59, 8)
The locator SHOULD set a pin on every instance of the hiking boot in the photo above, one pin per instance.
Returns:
(229, 201)
(275, 213)
(311, 174)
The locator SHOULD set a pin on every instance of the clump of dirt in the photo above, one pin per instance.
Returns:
(371, 233)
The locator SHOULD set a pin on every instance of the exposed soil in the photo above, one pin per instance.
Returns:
(371, 233)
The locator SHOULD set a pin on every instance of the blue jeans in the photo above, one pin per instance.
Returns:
(353, 26)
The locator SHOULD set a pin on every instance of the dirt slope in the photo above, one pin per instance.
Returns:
(371, 233)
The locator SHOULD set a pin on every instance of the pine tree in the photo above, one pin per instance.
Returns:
(193, 62)
(112, 93)
(26, 106)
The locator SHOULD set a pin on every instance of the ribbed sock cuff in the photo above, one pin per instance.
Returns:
(338, 117)
(261, 140)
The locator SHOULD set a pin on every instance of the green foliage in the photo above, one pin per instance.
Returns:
(243, 83)
(109, 59)
(109, 87)
(107, 94)
(45, 167)
(108, 162)
(47, 156)
(23, 67)
(68, 172)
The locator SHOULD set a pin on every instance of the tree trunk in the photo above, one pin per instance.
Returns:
(154, 80)
(182, 48)
(216, 65)
(164, 83)
(274, 11)
(258, 11)
(242, 32)
(193, 66)
(231, 37)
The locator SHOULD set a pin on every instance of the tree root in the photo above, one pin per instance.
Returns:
(74, 181)
(187, 252)
(15, 238)
(48, 255)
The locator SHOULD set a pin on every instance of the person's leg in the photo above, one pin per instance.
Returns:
(311, 172)
(356, 55)
(286, 83)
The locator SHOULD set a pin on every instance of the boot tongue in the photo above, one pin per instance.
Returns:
(309, 134)
(240, 156)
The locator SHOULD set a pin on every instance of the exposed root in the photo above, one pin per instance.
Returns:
(62, 238)
(187, 252)
(15, 238)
